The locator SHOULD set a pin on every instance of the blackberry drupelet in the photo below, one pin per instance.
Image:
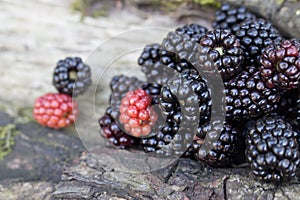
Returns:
(194, 31)
(229, 17)
(71, 76)
(272, 149)
(254, 35)
(226, 151)
(113, 133)
(280, 65)
(247, 96)
(221, 50)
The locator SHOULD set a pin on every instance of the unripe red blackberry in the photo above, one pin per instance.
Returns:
(280, 65)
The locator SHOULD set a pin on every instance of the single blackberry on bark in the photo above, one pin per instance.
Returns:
(113, 133)
(194, 31)
(254, 35)
(71, 76)
(247, 96)
(220, 49)
(226, 151)
(280, 65)
(229, 17)
(272, 149)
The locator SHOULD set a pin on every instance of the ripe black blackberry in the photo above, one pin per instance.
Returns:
(254, 35)
(272, 149)
(159, 64)
(248, 97)
(113, 133)
(221, 50)
(226, 151)
(194, 31)
(71, 76)
(229, 17)
(280, 65)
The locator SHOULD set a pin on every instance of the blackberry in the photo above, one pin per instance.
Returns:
(151, 65)
(55, 110)
(220, 49)
(71, 76)
(272, 149)
(226, 151)
(229, 17)
(194, 31)
(280, 65)
(136, 113)
(248, 97)
(113, 133)
(254, 35)
(158, 62)
(120, 85)
(181, 122)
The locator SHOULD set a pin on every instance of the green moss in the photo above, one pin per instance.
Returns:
(80, 6)
(214, 3)
(279, 2)
(7, 134)
(85, 6)
(24, 115)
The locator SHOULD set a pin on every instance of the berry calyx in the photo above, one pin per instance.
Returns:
(55, 110)
(136, 113)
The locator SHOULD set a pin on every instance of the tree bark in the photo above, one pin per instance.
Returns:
(184, 179)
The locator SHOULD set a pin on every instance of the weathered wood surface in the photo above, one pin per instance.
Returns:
(183, 180)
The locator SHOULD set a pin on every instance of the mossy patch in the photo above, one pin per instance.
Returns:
(7, 134)
(24, 115)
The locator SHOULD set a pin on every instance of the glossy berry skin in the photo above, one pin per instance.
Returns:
(230, 17)
(113, 133)
(158, 64)
(226, 151)
(220, 49)
(280, 65)
(272, 149)
(71, 76)
(136, 114)
(55, 110)
(248, 97)
(254, 35)
(194, 31)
